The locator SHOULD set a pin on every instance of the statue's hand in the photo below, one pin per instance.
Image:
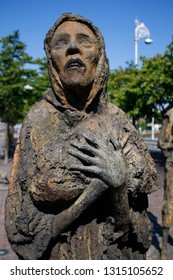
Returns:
(101, 160)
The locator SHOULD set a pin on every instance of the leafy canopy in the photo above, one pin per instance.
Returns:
(15, 96)
(144, 92)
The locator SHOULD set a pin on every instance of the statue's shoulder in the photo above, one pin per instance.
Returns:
(116, 113)
(169, 113)
(40, 118)
(42, 109)
(112, 108)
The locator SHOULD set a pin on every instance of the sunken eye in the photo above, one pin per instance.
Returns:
(61, 43)
(85, 43)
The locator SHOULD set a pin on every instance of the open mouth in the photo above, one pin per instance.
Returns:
(74, 64)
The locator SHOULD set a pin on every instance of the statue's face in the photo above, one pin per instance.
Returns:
(75, 54)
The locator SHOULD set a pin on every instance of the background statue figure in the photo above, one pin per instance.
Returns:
(81, 172)
(166, 144)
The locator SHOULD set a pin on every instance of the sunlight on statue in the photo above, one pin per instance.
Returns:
(81, 172)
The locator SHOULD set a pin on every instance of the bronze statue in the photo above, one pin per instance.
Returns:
(81, 172)
(166, 144)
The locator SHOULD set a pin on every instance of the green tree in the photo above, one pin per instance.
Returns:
(14, 76)
(20, 86)
(41, 81)
(157, 84)
(144, 92)
(124, 90)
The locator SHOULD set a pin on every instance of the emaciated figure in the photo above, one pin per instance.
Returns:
(81, 172)
(166, 144)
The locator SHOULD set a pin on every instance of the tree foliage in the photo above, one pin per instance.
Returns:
(20, 86)
(41, 82)
(13, 77)
(144, 92)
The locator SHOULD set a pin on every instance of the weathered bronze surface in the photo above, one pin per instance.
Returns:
(166, 144)
(81, 172)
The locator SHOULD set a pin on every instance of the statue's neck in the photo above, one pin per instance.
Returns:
(77, 98)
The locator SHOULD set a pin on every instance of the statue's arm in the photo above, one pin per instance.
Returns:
(65, 218)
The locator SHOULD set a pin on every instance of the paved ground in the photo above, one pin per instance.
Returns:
(154, 212)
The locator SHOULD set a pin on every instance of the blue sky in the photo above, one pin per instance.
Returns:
(115, 19)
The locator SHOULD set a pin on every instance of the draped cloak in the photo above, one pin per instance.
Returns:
(42, 184)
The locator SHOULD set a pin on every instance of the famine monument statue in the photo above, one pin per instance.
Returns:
(166, 144)
(81, 173)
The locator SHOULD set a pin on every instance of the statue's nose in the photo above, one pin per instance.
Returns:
(73, 48)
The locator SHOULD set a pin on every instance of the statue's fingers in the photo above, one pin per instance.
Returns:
(115, 143)
(124, 141)
(81, 156)
(85, 148)
(92, 140)
(127, 150)
(86, 169)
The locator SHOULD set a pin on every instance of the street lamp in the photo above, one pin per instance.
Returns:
(141, 31)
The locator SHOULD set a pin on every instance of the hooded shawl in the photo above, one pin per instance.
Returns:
(42, 184)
